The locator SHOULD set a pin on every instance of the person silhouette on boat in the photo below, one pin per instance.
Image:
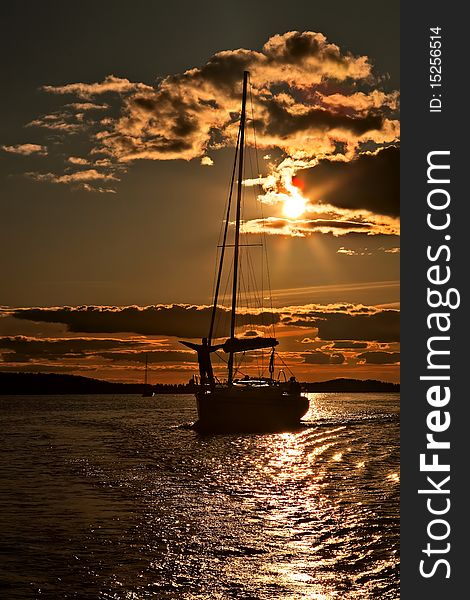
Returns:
(294, 386)
(205, 364)
(206, 373)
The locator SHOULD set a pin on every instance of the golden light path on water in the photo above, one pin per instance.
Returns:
(118, 498)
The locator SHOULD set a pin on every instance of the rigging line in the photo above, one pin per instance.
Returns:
(254, 129)
(281, 359)
(258, 288)
(256, 305)
(250, 293)
(251, 285)
(268, 276)
(250, 279)
(252, 273)
(252, 282)
(237, 221)
(222, 252)
(214, 274)
(252, 236)
(250, 316)
(257, 302)
(219, 313)
(245, 283)
(242, 290)
(239, 364)
(221, 229)
(255, 195)
(221, 357)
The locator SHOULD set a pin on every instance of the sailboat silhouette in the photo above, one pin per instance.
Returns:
(248, 403)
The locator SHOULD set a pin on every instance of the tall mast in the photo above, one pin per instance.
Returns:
(146, 369)
(237, 223)
(224, 244)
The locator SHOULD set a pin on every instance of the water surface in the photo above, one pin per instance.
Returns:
(115, 497)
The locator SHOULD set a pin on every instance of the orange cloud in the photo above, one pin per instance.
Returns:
(77, 160)
(26, 149)
(365, 223)
(379, 358)
(81, 179)
(360, 102)
(111, 84)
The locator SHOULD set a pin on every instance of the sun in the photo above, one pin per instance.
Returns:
(294, 206)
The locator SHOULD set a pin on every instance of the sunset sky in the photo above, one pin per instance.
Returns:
(116, 148)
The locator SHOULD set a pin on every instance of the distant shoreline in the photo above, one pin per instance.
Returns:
(57, 384)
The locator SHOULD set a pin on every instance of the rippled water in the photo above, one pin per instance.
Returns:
(114, 497)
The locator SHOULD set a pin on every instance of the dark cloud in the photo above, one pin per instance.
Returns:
(349, 345)
(295, 46)
(371, 182)
(22, 349)
(25, 349)
(381, 326)
(284, 123)
(336, 322)
(379, 358)
(322, 358)
(88, 370)
(152, 357)
(178, 320)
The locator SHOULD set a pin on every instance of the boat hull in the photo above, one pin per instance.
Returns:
(249, 410)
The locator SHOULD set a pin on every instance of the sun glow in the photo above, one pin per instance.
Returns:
(294, 204)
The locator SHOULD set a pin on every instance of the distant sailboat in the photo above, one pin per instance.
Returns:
(248, 403)
(147, 393)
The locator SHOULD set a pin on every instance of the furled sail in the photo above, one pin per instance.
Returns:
(201, 347)
(235, 345)
(254, 343)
